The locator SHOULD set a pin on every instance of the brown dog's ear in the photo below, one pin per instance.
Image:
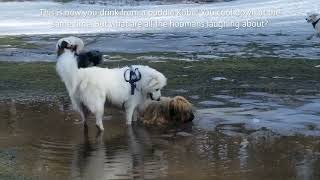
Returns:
(172, 107)
(182, 99)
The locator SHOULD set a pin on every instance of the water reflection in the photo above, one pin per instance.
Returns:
(122, 156)
(12, 120)
(50, 144)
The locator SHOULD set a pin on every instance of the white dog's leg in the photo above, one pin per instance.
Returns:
(135, 114)
(77, 107)
(98, 110)
(94, 101)
(83, 116)
(129, 114)
(84, 113)
(99, 117)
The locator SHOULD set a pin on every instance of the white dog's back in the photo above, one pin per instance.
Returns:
(104, 83)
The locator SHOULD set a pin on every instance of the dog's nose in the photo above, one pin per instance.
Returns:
(191, 117)
(158, 99)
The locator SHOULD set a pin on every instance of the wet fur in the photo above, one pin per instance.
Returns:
(168, 112)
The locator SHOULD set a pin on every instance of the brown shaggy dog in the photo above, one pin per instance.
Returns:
(167, 112)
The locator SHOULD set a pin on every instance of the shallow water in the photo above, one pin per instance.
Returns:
(45, 141)
(184, 46)
(285, 35)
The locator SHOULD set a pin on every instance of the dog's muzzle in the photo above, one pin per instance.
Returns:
(191, 117)
(151, 97)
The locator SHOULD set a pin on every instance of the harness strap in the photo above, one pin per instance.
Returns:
(134, 76)
(315, 23)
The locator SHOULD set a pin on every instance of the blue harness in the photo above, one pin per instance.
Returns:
(134, 76)
(315, 23)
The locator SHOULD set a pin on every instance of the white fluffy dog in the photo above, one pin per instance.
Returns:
(90, 88)
(314, 19)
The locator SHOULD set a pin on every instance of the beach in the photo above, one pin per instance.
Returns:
(255, 91)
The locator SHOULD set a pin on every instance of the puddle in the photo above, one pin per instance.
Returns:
(283, 114)
(211, 103)
(45, 141)
(239, 125)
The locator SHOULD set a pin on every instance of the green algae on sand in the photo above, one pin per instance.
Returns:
(27, 80)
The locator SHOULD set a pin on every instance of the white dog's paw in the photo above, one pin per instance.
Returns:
(100, 127)
(129, 122)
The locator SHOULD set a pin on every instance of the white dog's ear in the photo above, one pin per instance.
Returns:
(312, 14)
(58, 45)
(72, 42)
(153, 82)
(79, 44)
(61, 45)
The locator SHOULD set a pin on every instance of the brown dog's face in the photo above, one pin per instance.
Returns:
(180, 110)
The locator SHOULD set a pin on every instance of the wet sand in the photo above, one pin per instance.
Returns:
(46, 141)
(258, 119)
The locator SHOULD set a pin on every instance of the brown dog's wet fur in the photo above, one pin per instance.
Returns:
(168, 112)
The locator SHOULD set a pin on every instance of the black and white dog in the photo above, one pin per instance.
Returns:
(314, 19)
(91, 88)
(89, 58)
